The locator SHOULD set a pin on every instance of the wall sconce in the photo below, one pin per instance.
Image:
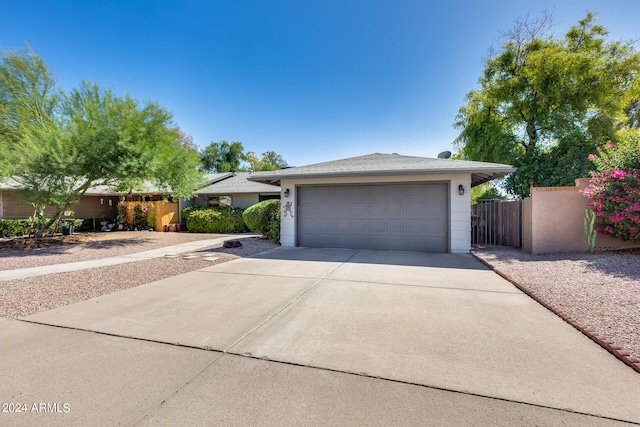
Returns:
(102, 201)
(460, 190)
(286, 193)
(110, 202)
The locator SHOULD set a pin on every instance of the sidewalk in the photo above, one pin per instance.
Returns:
(181, 248)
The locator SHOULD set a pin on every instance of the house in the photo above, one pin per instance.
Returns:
(231, 188)
(234, 189)
(380, 201)
(97, 201)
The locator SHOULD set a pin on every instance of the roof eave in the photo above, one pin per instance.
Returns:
(482, 175)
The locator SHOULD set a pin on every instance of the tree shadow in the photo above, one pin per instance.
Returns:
(61, 246)
(622, 264)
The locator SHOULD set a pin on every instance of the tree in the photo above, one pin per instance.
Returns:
(269, 161)
(222, 156)
(230, 157)
(59, 145)
(615, 187)
(272, 161)
(544, 104)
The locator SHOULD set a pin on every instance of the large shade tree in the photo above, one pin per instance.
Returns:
(57, 145)
(226, 156)
(546, 103)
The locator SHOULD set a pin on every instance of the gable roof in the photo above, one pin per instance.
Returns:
(379, 164)
(236, 183)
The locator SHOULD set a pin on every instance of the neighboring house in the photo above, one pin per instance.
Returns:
(380, 201)
(234, 189)
(97, 201)
(231, 188)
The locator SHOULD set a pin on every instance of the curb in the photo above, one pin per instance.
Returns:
(608, 345)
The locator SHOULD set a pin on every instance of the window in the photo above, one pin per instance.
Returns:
(220, 201)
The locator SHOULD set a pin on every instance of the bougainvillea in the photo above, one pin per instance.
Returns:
(615, 188)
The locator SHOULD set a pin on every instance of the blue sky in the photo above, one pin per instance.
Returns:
(312, 80)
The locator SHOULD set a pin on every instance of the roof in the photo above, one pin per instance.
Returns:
(379, 164)
(236, 183)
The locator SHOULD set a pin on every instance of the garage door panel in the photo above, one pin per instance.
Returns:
(378, 192)
(359, 240)
(377, 225)
(416, 209)
(326, 210)
(326, 226)
(435, 209)
(378, 209)
(360, 193)
(308, 210)
(396, 209)
(342, 209)
(416, 226)
(342, 194)
(326, 194)
(342, 225)
(359, 225)
(380, 216)
(435, 227)
(307, 226)
(396, 243)
(397, 194)
(360, 209)
(377, 242)
(415, 243)
(395, 225)
(416, 191)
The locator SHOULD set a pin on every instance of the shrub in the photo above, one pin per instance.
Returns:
(215, 219)
(615, 188)
(14, 227)
(264, 218)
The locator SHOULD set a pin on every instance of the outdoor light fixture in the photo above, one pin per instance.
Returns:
(286, 193)
(110, 202)
(460, 190)
(102, 201)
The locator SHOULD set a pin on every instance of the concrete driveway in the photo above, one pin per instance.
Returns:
(315, 336)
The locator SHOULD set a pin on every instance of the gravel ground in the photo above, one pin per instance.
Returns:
(23, 297)
(601, 292)
(23, 253)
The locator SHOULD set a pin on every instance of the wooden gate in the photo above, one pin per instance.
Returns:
(164, 213)
(497, 223)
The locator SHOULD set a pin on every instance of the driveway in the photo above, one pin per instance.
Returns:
(315, 336)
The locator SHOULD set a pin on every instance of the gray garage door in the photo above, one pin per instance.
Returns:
(393, 217)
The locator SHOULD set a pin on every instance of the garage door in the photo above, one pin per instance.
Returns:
(391, 216)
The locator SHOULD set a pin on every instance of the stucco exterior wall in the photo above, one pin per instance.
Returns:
(554, 221)
(245, 200)
(459, 206)
(13, 207)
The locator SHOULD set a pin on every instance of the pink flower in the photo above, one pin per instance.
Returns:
(618, 173)
(617, 218)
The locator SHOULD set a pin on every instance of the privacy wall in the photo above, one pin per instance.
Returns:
(553, 221)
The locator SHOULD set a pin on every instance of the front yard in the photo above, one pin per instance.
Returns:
(600, 292)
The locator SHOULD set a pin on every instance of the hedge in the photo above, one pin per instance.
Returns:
(264, 218)
(14, 227)
(214, 219)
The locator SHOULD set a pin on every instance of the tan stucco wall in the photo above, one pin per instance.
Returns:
(88, 207)
(553, 221)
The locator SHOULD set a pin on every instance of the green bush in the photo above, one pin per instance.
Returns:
(14, 227)
(264, 218)
(84, 225)
(215, 219)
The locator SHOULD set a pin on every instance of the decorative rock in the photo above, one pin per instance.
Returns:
(232, 244)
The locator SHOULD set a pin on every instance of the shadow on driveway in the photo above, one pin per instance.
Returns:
(364, 256)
